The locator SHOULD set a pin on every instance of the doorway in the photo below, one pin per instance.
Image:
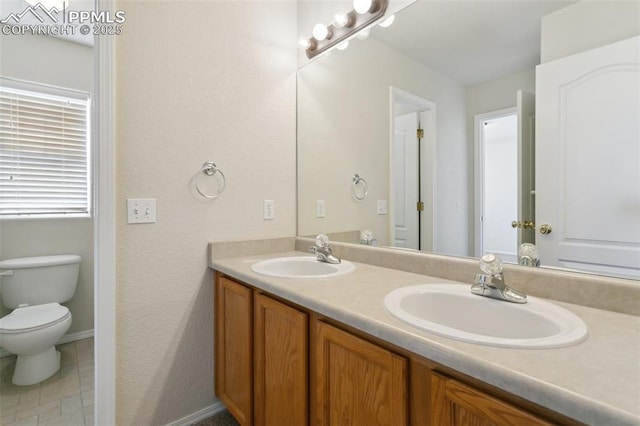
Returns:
(497, 183)
(412, 171)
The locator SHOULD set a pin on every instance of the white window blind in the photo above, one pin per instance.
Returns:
(44, 151)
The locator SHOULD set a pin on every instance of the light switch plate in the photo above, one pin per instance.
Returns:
(382, 207)
(141, 210)
(269, 209)
(320, 209)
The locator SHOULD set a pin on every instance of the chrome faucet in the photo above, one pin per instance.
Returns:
(491, 283)
(323, 250)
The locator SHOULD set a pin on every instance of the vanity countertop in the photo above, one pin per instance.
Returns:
(596, 382)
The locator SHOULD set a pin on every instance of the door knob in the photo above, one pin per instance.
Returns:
(545, 229)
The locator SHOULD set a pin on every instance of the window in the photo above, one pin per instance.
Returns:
(44, 151)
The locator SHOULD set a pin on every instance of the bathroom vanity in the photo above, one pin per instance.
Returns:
(325, 351)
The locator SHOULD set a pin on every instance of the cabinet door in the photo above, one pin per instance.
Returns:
(233, 337)
(280, 363)
(355, 381)
(456, 404)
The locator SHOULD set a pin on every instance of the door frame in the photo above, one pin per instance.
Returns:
(104, 225)
(478, 145)
(428, 184)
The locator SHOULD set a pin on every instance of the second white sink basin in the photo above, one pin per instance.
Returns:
(452, 311)
(301, 267)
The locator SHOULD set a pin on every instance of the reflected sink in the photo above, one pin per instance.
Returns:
(451, 310)
(301, 267)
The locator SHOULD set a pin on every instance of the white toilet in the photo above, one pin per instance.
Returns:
(34, 287)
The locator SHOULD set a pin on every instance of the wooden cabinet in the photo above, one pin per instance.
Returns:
(457, 404)
(234, 348)
(356, 382)
(261, 357)
(277, 364)
(280, 363)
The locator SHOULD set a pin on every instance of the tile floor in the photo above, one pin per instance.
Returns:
(65, 399)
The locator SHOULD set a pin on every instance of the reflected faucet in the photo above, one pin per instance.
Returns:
(323, 250)
(491, 283)
(366, 238)
(528, 255)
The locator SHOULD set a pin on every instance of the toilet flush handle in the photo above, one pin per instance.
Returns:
(6, 273)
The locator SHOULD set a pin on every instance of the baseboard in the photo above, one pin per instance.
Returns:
(72, 337)
(199, 415)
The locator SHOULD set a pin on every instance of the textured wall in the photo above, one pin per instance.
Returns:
(196, 81)
(68, 65)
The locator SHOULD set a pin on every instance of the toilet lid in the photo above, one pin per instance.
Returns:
(33, 316)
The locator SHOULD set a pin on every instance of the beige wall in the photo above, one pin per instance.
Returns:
(59, 63)
(196, 81)
(587, 25)
(344, 128)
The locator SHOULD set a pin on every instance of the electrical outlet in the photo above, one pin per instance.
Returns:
(320, 210)
(141, 210)
(269, 209)
(382, 207)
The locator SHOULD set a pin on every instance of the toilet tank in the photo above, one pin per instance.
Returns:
(38, 280)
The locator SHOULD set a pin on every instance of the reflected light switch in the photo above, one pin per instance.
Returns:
(382, 206)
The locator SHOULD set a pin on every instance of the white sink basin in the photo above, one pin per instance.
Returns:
(301, 267)
(452, 311)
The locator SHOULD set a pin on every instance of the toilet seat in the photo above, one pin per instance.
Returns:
(32, 318)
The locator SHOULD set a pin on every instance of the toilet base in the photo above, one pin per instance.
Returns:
(32, 369)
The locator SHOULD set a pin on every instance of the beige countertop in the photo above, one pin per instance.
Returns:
(596, 382)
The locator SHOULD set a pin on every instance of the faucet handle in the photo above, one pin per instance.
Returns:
(528, 255)
(491, 264)
(322, 241)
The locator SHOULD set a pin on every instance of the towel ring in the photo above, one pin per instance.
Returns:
(210, 169)
(358, 180)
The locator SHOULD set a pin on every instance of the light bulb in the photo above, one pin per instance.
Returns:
(320, 32)
(387, 21)
(343, 45)
(362, 35)
(307, 44)
(362, 6)
(340, 20)
(304, 43)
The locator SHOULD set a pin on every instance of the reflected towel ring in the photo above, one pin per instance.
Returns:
(209, 169)
(358, 180)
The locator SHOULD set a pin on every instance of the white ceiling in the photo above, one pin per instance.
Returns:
(471, 41)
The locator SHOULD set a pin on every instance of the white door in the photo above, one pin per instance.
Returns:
(588, 160)
(405, 181)
(526, 105)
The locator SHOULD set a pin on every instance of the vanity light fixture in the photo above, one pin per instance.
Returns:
(344, 27)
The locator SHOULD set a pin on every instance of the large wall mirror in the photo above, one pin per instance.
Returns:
(452, 131)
